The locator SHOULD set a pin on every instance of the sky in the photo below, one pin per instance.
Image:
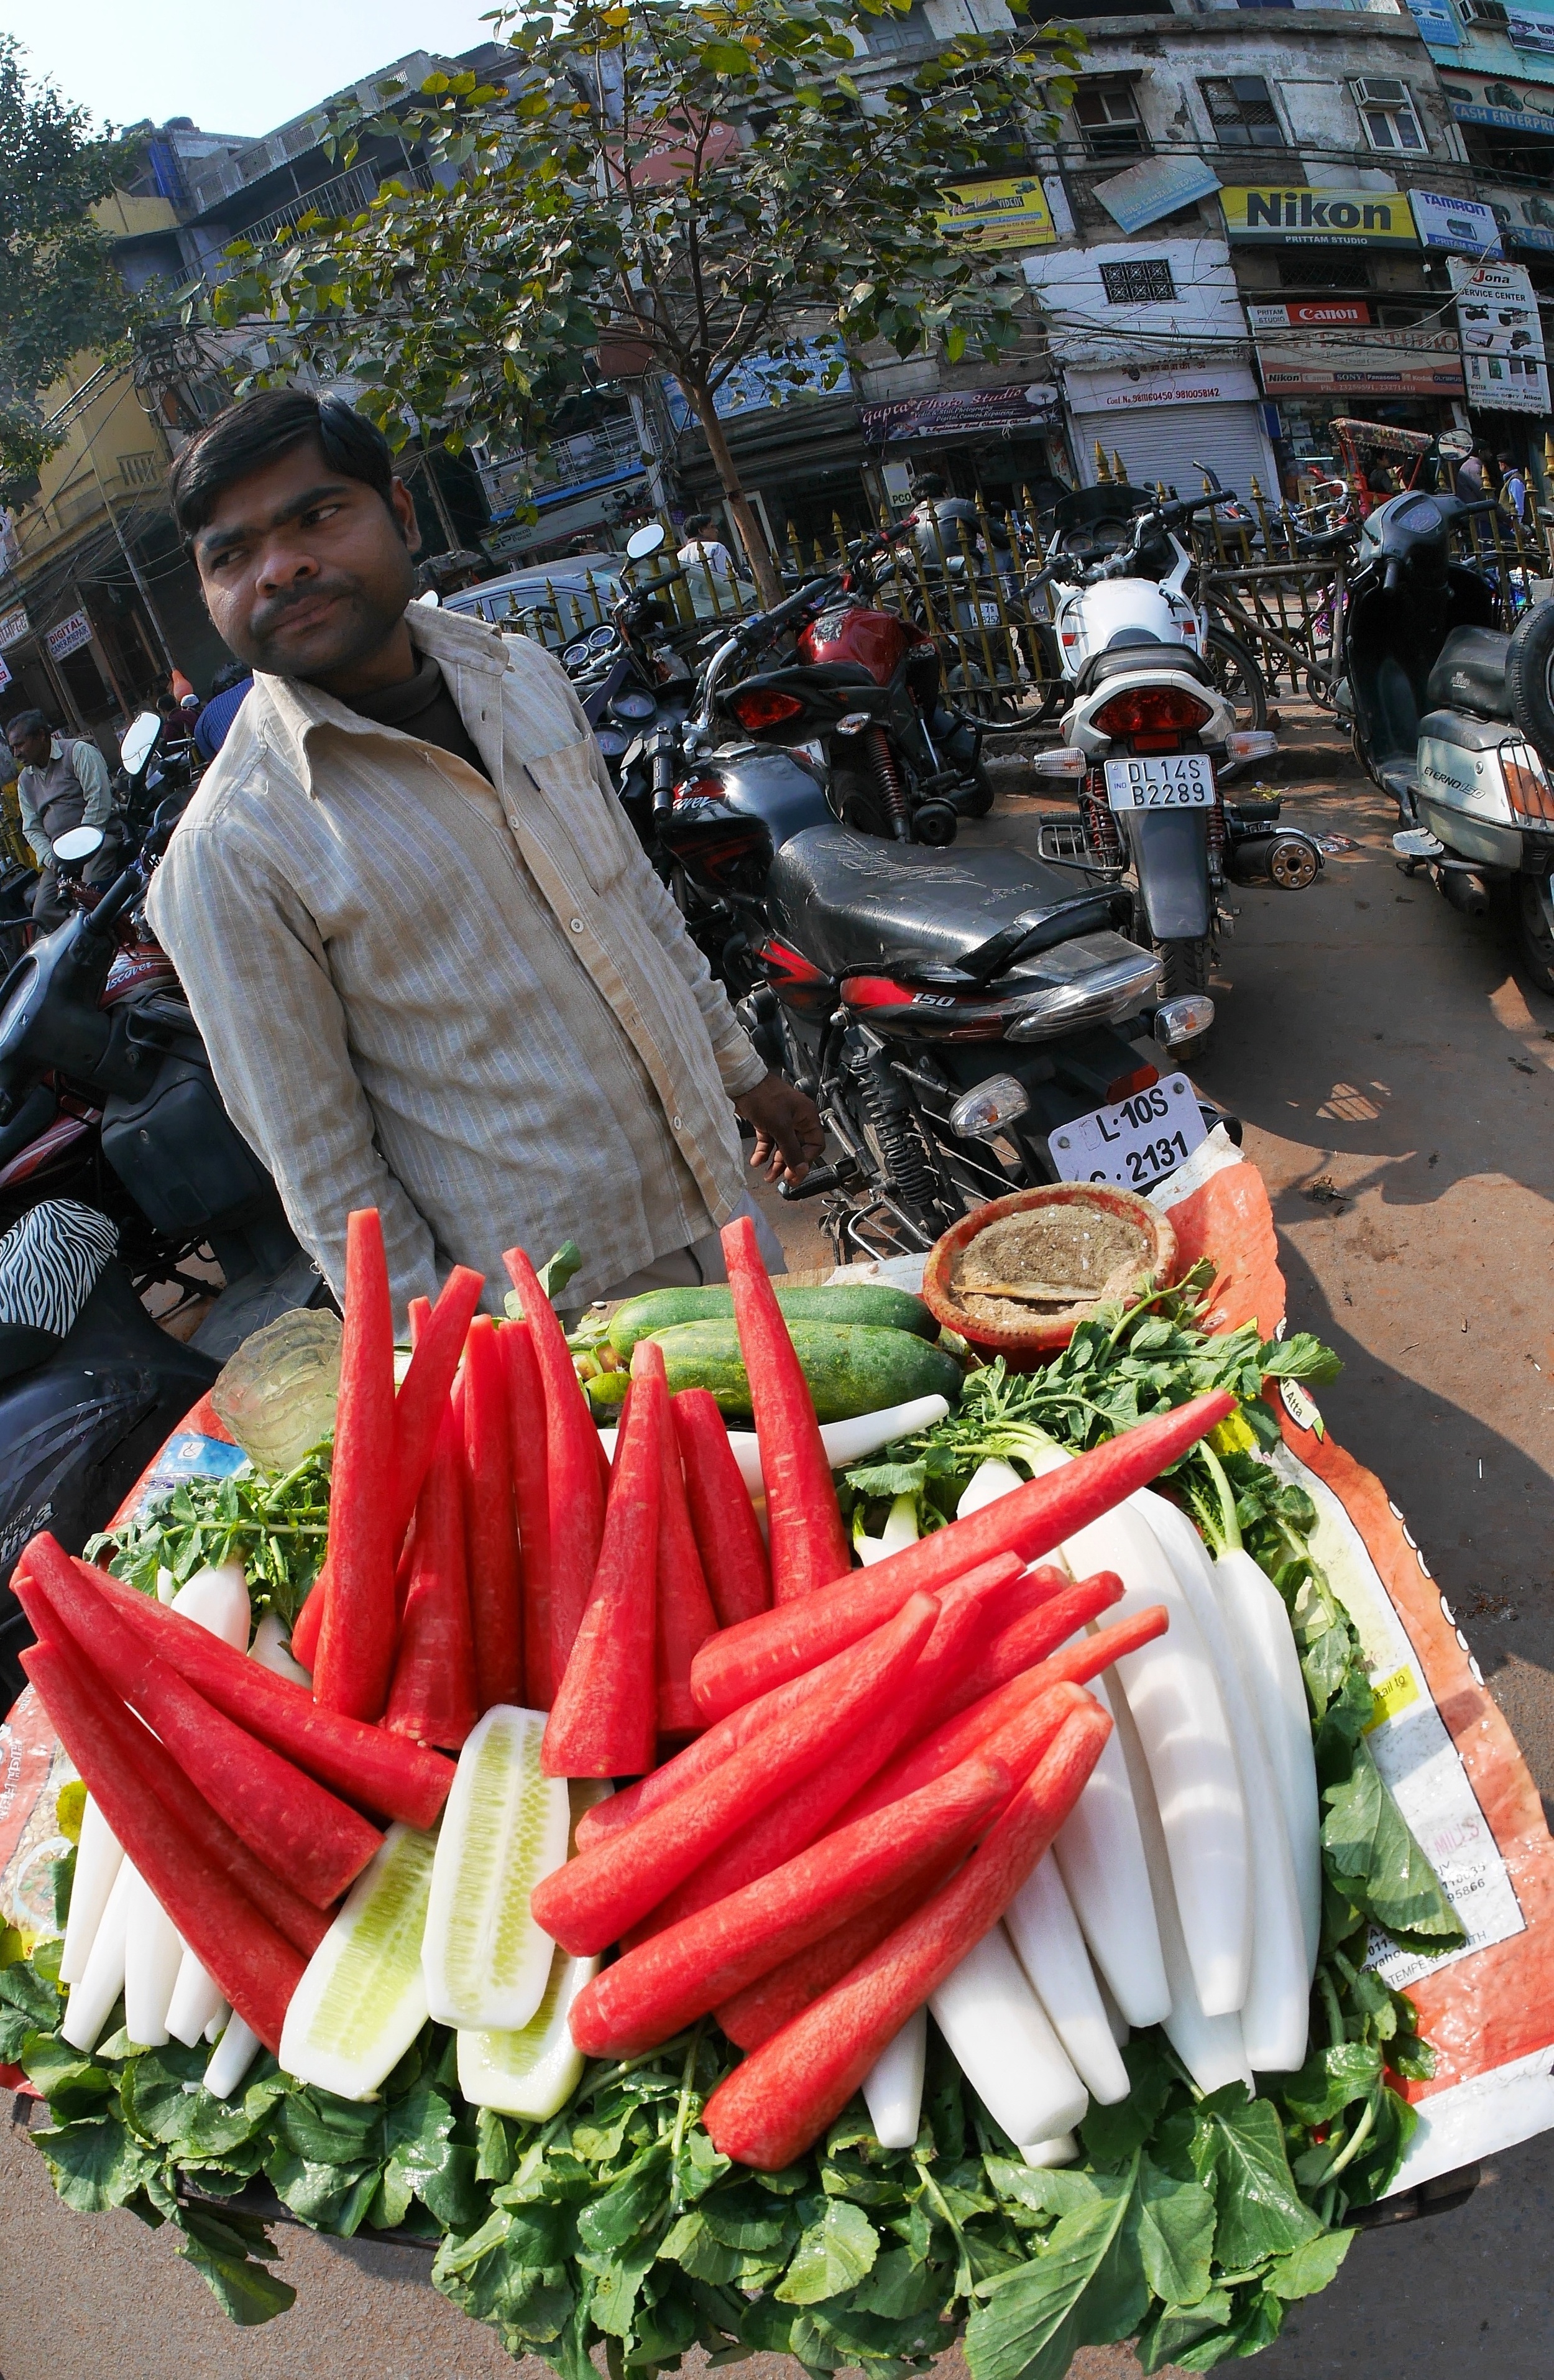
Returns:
(235, 66)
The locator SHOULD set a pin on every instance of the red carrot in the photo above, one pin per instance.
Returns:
(490, 1528)
(431, 1697)
(366, 1764)
(677, 1976)
(1032, 1635)
(254, 1966)
(764, 2007)
(603, 1722)
(356, 1642)
(303, 1925)
(592, 1901)
(743, 1662)
(733, 1550)
(525, 1412)
(811, 1807)
(685, 1616)
(774, 2105)
(808, 1543)
(419, 1311)
(576, 1490)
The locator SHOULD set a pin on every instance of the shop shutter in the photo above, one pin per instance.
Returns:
(1161, 442)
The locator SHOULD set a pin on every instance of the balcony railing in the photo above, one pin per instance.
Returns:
(346, 194)
(594, 454)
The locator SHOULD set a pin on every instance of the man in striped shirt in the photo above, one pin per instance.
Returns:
(433, 969)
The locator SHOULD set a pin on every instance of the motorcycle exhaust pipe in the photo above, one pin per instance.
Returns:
(1468, 893)
(1286, 859)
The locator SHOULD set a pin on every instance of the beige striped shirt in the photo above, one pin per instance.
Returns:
(471, 1005)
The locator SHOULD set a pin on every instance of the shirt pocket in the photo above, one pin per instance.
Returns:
(575, 798)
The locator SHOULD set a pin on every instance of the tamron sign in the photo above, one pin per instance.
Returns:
(1278, 218)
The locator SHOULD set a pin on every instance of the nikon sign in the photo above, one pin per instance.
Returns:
(1307, 218)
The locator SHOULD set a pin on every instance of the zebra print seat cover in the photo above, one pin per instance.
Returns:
(50, 1262)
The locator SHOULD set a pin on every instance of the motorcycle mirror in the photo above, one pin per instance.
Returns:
(430, 597)
(648, 539)
(140, 741)
(77, 845)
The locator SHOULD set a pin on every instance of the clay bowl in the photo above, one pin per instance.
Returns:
(1032, 1332)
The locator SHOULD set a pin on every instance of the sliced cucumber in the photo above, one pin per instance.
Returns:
(505, 1826)
(362, 1998)
(534, 2072)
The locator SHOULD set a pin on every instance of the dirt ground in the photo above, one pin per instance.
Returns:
(1393, 1074)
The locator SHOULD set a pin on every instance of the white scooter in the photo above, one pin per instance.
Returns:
(1150, 739)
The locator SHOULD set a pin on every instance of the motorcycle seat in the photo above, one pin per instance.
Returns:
(1140, 651)
(1468, 673)
(852, 902)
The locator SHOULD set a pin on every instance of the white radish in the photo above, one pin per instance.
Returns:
(1175, 1700)
(901, 1525)
(844, 1442)
(1100, 1858)
(1275, 2013)
(217, 2025)
(272, 1649)
(1046, 2154)
(1259, 1625)
(166, 1585)
(218, 1600)
(91, 1999)
(153, 1952)
(98, 1857)
(893, 2088)
(1210, 2048)
(869, 1550)
(195, 2003)
(1010, 2056)
(1049, 1945)
(1116, 2021)
(232, 2057)
(991, 1479)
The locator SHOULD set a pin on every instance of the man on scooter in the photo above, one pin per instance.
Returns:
(63, 783)
(434, 971)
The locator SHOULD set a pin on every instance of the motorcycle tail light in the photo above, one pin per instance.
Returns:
(1152, 710)
(1127, 1086)
(764, 706)
(1527, 787)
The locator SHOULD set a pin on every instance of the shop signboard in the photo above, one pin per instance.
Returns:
(1462, 226)
(1526, 218)
(1130, 388)
(960, 413)
(1156, 188)
(68, 636)
(5, 674)
(1286, 216)
(13, 626)
(1503, 105)
(1531, 31)
(1307, 350)
(1498, 322)
(1437, 24)
(998, 214)
(762, 382)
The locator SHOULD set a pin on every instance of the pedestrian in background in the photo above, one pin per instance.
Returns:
(63, 783)
(1514, 487)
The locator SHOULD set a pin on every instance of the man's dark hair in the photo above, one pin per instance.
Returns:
(697, 522)
(927, 483)
(262, 428)
(230, 674)
(31, 723)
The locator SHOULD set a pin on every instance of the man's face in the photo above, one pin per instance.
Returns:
(306, 574)
(31, 746)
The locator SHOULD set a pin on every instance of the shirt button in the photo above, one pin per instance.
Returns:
(676, 1123)
(576, 925)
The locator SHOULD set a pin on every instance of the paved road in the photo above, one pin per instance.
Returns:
(1395, 1081)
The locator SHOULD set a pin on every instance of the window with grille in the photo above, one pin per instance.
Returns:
(1388, 113)
(1107, 115)
(1242, 112)
(1143, 284)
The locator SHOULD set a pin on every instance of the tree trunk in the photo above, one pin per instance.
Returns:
(768, 585)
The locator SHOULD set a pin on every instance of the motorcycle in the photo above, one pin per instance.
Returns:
(107, 1099)
(963, 1020)
(1454, 717)
(1150, 741)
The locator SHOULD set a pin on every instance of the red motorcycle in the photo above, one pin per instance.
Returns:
(901, 760)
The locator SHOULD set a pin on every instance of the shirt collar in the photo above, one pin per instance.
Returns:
(289, 709)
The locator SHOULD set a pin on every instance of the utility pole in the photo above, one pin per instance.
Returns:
(141, 588)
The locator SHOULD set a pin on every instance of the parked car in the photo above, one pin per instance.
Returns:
(553, 602)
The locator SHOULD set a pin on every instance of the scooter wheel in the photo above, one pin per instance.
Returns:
(1536, 929)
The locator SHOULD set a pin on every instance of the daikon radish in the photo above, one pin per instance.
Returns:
(91, 1999)
(990, 1480)
(1275, 2013)
(218, 1600)
(166, 1585)
(1005, 2046)
(152, 1955)
(217, 2025)
(1180, 1713)
(1210, 2048)
(1043, 2155)
(893, 2088)
(901, 1525)
(1101, 1860)
(234, 2054)
(1259, 1626)
(845, 1442)
(272, 1649)
(195, 2003)
(505, 1827)
(1047, 1943)
(361, 1999)
(1117, 2023)
(871, 1550)
(98, 1857)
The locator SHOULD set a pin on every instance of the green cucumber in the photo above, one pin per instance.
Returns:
(485, 1959)
(362, 1998)
(868, 1301)
(533, 2072)
(851, 1367)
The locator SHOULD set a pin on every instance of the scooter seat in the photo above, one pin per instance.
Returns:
(852, 902)
(1468, 673)
(1141, 651)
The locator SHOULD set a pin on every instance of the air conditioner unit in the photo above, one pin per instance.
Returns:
(1484, 12)
(1382, 90)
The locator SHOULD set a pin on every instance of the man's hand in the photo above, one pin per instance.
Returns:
(789, 1134)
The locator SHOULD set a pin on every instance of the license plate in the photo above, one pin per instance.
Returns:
(1135, 1144)
(988, 615)
(1167, 780)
